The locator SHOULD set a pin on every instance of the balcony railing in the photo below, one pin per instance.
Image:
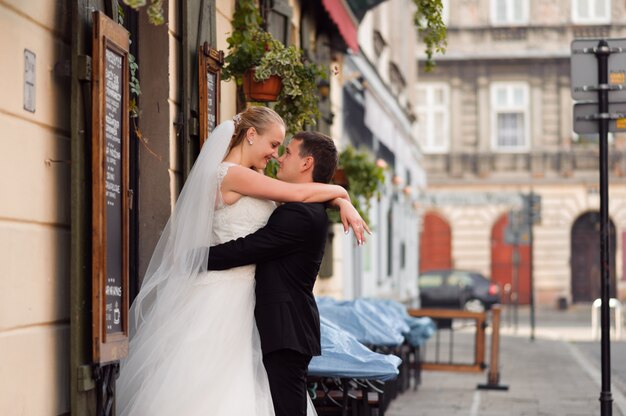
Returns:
(562, 164)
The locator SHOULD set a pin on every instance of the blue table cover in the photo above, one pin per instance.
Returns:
(344, 356)
(362, 320)
(417, 330)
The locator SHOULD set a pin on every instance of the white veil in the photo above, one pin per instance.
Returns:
(182, 251)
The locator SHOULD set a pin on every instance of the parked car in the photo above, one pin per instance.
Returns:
(454, 289)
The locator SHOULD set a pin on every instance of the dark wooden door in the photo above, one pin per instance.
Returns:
(435, 243)
(502, 267)
(585, 257)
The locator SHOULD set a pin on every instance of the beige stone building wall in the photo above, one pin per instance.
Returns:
(34, 212)
(224, 16)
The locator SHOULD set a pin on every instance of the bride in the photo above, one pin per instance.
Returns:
(194, 347)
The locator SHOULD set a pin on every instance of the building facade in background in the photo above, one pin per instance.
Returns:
(374, 105)
(495, 121)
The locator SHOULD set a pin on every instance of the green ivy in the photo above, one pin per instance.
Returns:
(251, 47)
(365, 178)
(154, 10)
(135, 89)
(431, 28)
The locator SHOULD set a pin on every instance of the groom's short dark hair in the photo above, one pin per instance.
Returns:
(324, 153)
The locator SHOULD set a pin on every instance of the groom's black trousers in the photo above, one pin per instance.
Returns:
(286, 371)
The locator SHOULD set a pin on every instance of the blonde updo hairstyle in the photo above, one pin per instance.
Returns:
(261, 118)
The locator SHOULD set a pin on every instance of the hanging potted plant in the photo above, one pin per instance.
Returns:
(256, 57)
(261, 91)
(361, 176)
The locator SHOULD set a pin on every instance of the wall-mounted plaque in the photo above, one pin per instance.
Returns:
(110, 199)
(210, 62)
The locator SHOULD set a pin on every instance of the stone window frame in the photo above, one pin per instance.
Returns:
(510, 107)
(591, 8)
(435, 140)
(510, 19)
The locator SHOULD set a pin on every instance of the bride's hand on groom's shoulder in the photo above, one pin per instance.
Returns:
(350, 218)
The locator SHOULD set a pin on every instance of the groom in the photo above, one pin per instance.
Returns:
(288, 252)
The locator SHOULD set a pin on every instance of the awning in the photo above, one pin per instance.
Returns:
(360, 7)
(340, 13)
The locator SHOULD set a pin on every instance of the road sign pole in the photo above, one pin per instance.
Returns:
(531, 221)
(602, 55)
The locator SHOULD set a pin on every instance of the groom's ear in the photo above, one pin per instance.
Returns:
(308, 163)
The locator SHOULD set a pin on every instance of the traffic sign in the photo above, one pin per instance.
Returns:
(517, 230)
(584, 69)
(520, 238)
(585, 123)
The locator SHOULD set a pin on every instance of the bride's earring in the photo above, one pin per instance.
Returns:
(250, 140)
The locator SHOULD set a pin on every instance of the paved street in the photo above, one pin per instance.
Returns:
(557, 374)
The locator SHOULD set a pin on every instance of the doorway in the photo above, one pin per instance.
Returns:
(503, 270)
(435, 243)
(585, 257)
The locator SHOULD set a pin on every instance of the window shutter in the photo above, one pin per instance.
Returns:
(198, 23)
(277, 16)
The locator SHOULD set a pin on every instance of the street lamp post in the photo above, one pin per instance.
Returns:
(602, 54)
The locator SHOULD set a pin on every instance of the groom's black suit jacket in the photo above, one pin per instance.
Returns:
(287, 252)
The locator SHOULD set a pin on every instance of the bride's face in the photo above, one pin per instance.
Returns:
(265, 146)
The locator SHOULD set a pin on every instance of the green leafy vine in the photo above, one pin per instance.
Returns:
(154, 10)
(134, 87)
(365, 178)
(429, 22)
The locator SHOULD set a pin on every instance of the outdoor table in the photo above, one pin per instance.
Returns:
(345, 358)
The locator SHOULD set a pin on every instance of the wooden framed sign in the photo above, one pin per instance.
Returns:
(110, 199)
(210, 62)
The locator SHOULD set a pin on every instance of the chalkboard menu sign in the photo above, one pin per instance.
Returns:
(210, 62)
(113, 77)
(110, 190)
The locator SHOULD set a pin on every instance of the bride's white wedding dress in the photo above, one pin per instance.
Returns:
(209, 359)
(206, 358)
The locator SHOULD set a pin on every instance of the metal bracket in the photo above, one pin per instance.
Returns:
(600, 87)
(194, 126)
(86, 381)
(83, 68)
(595, 50)
(603, 116)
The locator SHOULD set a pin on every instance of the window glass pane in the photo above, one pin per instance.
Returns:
(600, 8)
(439, 122)
(454, 279)
(583, 8)
(439, 96)
(518, 97)
(500, 97)
(430, 280)
(421, 96)
(510, 129)
(422, 127)
(518, 10)
(500, 10)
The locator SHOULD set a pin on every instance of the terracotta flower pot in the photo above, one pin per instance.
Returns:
(340, 178)
(263, 91)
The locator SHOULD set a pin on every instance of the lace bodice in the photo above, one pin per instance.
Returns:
(241, 218)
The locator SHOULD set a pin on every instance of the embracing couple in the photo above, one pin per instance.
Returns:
(225, 323)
